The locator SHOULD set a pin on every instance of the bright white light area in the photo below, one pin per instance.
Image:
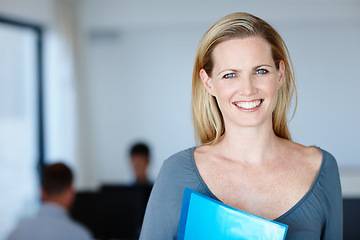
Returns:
(18, 127)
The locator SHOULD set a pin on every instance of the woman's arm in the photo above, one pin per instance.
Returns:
(163, 210)
(333, 229)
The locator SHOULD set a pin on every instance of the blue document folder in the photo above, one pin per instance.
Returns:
(205, 218)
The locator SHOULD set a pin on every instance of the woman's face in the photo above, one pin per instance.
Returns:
(244, 81)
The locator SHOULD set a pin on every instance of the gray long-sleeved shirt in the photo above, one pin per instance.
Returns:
(318, 215)
(52, 222)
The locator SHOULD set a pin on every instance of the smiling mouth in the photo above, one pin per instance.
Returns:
(249, 105)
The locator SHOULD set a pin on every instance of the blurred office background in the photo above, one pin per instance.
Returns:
(117, 71)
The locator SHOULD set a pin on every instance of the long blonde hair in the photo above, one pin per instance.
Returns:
(207, 117)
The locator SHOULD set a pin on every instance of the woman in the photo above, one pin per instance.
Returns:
(242, 87)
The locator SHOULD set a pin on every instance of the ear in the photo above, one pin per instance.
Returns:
(70, 193)
(281, 72)
(206, 81)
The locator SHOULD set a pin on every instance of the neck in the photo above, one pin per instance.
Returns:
(141, 180)
(58, 202)
(250, 144)
(63, 199)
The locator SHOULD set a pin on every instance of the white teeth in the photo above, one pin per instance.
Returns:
(248, 105)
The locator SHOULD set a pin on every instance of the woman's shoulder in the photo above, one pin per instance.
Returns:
(314, 154)
(182, 156)
(306, 156)
(185, 153)
(179, 161)
(177, 172)
(316, 158)
(329, 167)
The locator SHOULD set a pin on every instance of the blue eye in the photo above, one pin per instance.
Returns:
(262, 71)
(229, 75)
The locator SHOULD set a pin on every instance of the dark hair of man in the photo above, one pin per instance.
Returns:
(56, 178)
(140, 149)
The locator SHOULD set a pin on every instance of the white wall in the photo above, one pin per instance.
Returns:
(34, 11)
(134, 77)
(59, 82)
(18, 156)
(138, 58)
(19, 177)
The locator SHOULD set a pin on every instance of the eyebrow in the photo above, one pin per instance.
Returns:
(235, 70)
(231, 70)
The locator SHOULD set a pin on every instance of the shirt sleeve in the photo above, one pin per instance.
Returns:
(333, 229)
(164, 205)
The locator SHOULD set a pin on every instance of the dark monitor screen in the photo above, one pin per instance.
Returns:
(113, 212)
(351, 218)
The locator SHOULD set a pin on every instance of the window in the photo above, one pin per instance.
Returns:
(21, 125)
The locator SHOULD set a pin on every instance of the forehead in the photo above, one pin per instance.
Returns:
(243, 51)
(139, 157)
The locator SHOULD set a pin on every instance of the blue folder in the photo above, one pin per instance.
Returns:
(205, 218)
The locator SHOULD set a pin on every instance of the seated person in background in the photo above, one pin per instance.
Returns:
(52, 220)
(140, 158)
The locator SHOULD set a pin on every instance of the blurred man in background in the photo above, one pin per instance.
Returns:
(52, 220)
(140, 159)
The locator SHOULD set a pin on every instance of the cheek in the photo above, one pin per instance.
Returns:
(273, 92)
(223, 90)
(271, 87)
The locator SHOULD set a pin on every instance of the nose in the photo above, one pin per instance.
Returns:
(246, 86)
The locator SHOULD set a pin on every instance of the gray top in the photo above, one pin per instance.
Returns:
(318, 215)
(52, 222)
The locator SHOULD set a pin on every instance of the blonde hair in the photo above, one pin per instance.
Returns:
(207, 117)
